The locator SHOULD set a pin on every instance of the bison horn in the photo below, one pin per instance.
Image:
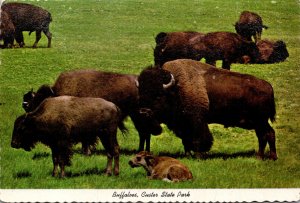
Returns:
(137, 83)
(171, 83)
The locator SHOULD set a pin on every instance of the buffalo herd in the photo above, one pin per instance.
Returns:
(179, 91)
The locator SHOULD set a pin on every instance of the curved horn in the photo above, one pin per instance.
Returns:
(171, 83)
(137, 83)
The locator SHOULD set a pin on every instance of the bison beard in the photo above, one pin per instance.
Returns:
(202, 94)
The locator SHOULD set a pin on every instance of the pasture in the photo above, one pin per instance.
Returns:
(118, 36)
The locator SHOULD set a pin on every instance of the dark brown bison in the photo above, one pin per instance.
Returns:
(161, 167)
(26, 17)
(63, 121)
(225, 46)
(7, 30)
(270, 52)
(118, 88)
(250, 24)
(186, 95)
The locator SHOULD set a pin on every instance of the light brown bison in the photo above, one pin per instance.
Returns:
(225, 46)
(27, 17)
(117, 88)
(63, 121)
(7, 30)
(186, 95)
(250, 24)
(161, 167)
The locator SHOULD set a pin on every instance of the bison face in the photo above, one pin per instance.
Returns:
(280, 52)
(27, 100)
(155, 98)
(22, 136)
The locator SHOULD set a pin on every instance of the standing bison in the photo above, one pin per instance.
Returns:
(117, 88)
(63, 121)
(7, 30)
(186, 95)
(26, 17)
(250, 24)
(225, 46)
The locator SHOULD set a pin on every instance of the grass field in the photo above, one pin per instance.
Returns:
(119, 36)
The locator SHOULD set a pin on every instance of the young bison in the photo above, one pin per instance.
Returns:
(63, 121)
(26, 17)
(250, 24)
(164, 168)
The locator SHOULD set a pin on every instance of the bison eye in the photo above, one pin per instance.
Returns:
(138, 158)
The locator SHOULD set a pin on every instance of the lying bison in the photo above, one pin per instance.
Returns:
(186, 95)
(7, 30)
(225, 46)
(26, 17)
(63, 121)
(118, 88)
(250, 24)
(270, 52)
(161, 167)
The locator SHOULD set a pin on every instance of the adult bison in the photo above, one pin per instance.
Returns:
(250, 24)
(27, 17)
(63, 121)
(225, 46)
(117, 88)
(270, 52)
(7, 30)
(186, 95)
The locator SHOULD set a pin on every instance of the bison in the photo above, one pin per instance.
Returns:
(27, 17)
(270, 52)
(187, 95)
(118, 88)
(7, 30)
(161, 167)
(250, 24)
(63, 121)
(225, 46)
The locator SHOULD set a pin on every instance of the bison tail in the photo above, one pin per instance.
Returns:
(273, 109)
(121, 125)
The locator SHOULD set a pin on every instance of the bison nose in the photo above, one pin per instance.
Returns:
(14, 144)
(131, 164)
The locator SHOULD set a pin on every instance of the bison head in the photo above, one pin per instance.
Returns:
(154, 95)
(279, 53)
(22, 135)
(31, 99)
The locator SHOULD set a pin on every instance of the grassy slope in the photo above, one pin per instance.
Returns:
(119, 36)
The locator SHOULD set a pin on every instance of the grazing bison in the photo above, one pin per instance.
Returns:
(26, 17)
(163, 168)
(186, 95)
(118, 88)
(270, 52)
(7, 30)
(250, 24)
(63, 121)
(225, 46)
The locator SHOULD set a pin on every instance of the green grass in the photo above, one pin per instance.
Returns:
(119, 36)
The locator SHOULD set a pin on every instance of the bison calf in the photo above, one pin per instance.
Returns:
(63, 121)
(164, 168)
(26, 17)
(250, 24)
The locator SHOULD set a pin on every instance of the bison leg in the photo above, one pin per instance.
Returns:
(38, 36)
(19, 38)
(226, 64)
(55, 163)
(116, 159)
(266, 135)
(49, 36)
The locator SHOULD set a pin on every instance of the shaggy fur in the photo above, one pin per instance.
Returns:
(237, 100)
(26, 17)
(118, 88)
(63, 121)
